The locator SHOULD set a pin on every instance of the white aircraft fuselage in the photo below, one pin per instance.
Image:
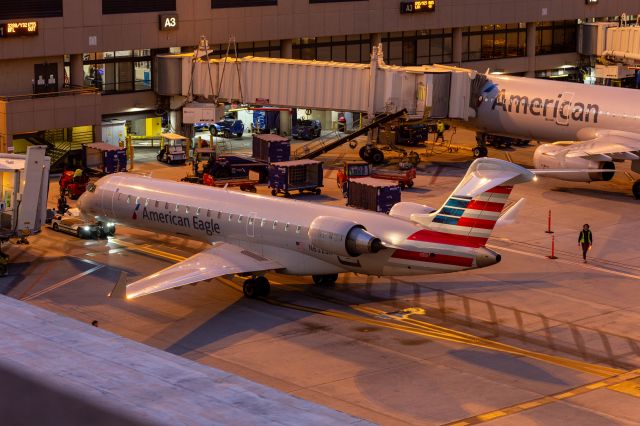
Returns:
(552, 111)
(272, 227)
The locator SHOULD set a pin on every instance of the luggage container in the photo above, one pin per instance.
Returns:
(104, 158)
(271, 148)
(373, 194)
(300, 175)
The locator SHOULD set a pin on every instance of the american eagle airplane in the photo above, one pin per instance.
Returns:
(591, 126)
(252, 234)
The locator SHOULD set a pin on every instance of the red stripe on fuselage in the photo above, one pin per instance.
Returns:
(486, 206)
(500, 190)
(473, 222)
(428, 236)
(443, 259)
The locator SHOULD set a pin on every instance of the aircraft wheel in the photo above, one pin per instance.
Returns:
(56, 227)
(484, 151)
(274, 192)
(410, 184)
(324, 280)
(262, 285)
(318, 191)
(250, 288)
(376, 156)
(636, 189)
(476, 152)
(364, 154)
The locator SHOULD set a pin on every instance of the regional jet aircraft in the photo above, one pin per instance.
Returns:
(591, 126)
(251, 234)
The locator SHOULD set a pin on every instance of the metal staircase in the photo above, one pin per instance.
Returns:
(59, 143)
(325, 144)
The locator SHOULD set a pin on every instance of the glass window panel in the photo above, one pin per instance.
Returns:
(475, 47)
(499, 44)
(436, 50)
(487, 45)
(422, 47)
(123, 53)
(353, 53)
(365, 52)
(143, 75)
(512, 44)
(447, 54)
(324, 53)
(409, 52)
(395, 53)
(339, 53)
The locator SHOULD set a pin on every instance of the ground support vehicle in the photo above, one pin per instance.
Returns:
(227, 128)
(296, 175)
(173, 149)
(72, 187)
(306, 129)
(362, 169)
(81, 228)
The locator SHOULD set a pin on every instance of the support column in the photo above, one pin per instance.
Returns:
(376, 39)
(286, 48)
(531, 49)
(457, 46)
(77, 71)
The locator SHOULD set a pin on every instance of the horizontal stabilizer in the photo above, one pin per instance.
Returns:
(544, 172)
(487, 173)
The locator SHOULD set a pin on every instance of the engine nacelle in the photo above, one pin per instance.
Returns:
(405, 209)
(543, 160)
(342, 237)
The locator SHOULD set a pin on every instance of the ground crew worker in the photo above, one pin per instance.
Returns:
(439, 131)
(585, 240)
(77, 175)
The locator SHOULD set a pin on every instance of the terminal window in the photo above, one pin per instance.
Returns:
(494, 41)
(11, 9)
(127, 6)
(118, 71)
(220, 4)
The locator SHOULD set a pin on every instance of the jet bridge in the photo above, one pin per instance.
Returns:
(374, 88)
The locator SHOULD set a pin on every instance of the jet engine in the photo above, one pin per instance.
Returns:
(342, 237)
(404, 210)
(544, 158)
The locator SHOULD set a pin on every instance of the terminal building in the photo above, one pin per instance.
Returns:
(79, 71)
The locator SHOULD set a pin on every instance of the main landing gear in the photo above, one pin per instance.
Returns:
(480, 150)
(325, 280)
(256, 287)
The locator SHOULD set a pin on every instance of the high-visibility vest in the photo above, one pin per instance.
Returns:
(440, 127)
(588, 237)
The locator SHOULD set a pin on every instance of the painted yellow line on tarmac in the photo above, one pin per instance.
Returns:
(610, 382)
(145, 248)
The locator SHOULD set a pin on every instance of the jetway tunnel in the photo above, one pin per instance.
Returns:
(374, 88)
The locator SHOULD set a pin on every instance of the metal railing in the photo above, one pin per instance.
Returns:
(68, 92)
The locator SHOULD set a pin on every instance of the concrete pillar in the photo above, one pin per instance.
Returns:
(97, 133)
(457, 46)
(286, 49)
(531, 49)
(77, 71)
(285, 123)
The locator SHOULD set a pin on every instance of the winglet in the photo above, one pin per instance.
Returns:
(120, 289)
(510, 216)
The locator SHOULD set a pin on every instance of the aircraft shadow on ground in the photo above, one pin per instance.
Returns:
(506, 364)
(610, 195)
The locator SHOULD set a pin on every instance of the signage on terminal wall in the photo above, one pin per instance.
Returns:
(18, 29)
(417, 6)
(168, 21)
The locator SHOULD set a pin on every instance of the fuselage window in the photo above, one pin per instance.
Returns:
(275, 224)
(298, 228)
(230, 216)
(240, 219)
(208, 213)
(250, 221)
(198, 211)
(157, 204)
(286, 226)
(219, 214)
(137, 200)
(186, 210)
(262, 222)
(177, 207)
(146, 202)
(128, 199)
(166, 206)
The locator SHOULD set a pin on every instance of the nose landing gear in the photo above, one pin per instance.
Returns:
(480, 150)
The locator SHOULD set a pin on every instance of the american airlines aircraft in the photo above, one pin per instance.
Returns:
(592, 127)
(251, 234)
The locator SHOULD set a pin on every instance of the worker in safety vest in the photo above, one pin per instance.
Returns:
(439, 131)
(585, 240)
(77, 175)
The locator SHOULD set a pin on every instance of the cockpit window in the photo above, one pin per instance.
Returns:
(91, 187)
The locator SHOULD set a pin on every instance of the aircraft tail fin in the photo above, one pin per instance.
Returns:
(472, 210)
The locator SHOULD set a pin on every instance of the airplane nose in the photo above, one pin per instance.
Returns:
(486, 257)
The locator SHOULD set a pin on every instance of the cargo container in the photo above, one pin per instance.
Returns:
(296, 175)
(373, 194)
(104, 158)
(271, 148)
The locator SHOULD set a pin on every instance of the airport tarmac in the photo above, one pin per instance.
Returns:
(528, 341)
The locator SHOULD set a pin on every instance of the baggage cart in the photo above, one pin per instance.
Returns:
(271, 148)
(104, 158)
(296, 175)
(373, 194)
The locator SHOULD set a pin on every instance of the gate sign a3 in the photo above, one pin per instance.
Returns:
(417, 6)
(169, 22)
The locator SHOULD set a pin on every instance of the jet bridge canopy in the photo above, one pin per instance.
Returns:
(374, 88)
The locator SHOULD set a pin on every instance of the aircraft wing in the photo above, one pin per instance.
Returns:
(607, 147)
(221, 259)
